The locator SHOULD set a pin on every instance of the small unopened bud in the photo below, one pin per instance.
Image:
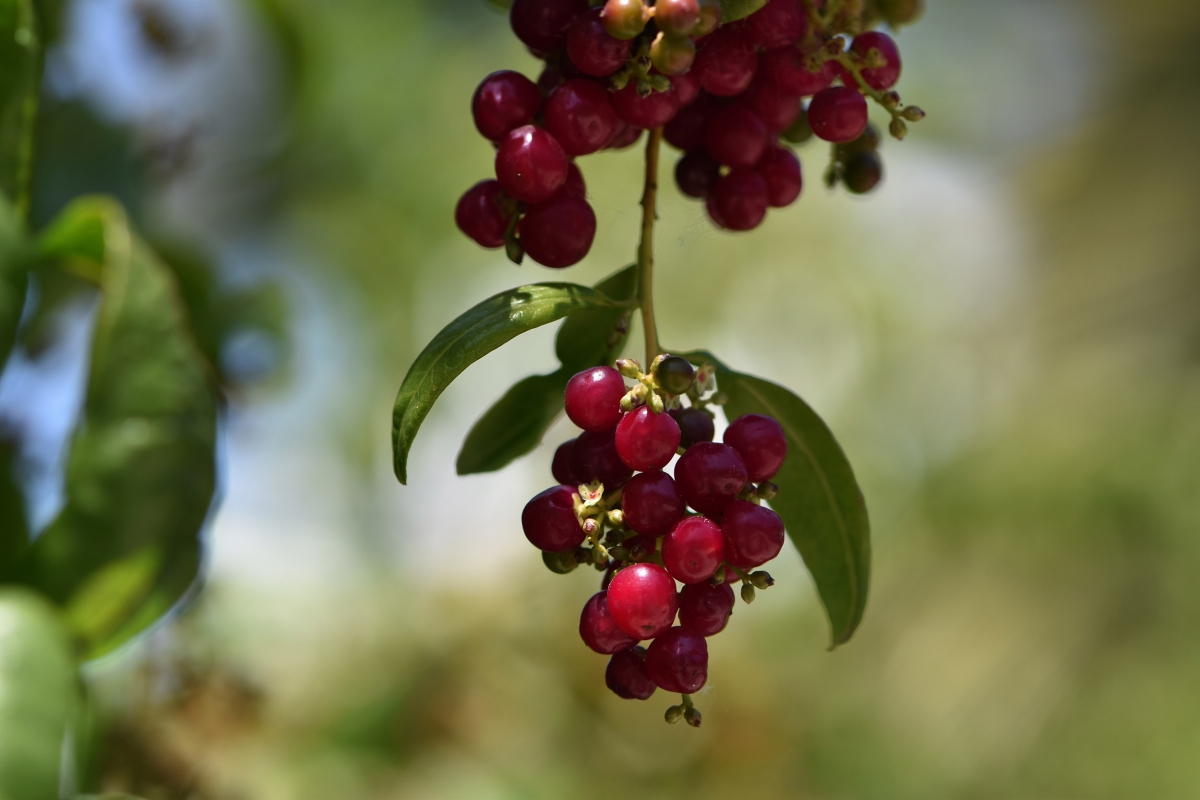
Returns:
(616, 516)
(898, 129)
(766, 490)
(638, 553)
(914, 114)
(620, 80)
(762, 580)
(633, 398)
(620, 553)
(890, 100)
(655, 402)
(692, 715)
(560, 563)
(629, 367)
(747, 593)
(514, 250)
(599, 554)
(660, 83)
(719, 399)
(718, 578)
(590, 527)
(674, 714)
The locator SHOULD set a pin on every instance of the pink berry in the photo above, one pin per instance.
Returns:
(760, 442)
(693, 549)
(753, 534)
(542, 24)
(710, 476)
(781, 170)
(594, 458)
(530, 164)
(647, 441)
(593, 398)
(503, 101)
(788, 69)
(677, 17)
(626, 675)
(592, 50)
(776, 107)
(651, 111)
(696, 174)
(878, 78)
(678, 661)
(549, 520)
(481, 215)
(580, 116)
(695, 425)
(705, 609)
(597, 629)
(726, 62)
(736, 137)
(837, 114)
(559, 232)
(778, 23)
(642, 600)
(561, 468)
(652, 504)
(738, 201)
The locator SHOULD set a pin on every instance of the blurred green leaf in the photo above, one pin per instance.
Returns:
(37, 695)
(469, 338)
(20, 75)
(14, 530)
(819, 499)
(141, 472)
(14, 278)
(596, 336)
(732, 10)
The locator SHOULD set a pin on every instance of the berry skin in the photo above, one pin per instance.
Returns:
(642, 600)
(686, 130)
(592, 50)
(549, 520)
(594, 458)
(678, 17)
(625, 136)
(623, 19)
(558, 232)
(580, 116)
(738, 201)
(710, 476)
(574, 183)
(530, 164)
(542, 24)
(736, 137)
(694, 426)
(672, 55)
(593, 398)
(696, 174)
(481, 216)
(760, 442)
(678, 661)
(675, 374)
(800, 131)
(626, 675)
(753, 534)
(788, 69)
(838, 114)
(781, 170)
(862, 172)
(778, 23)
(705, 609)
(879, 78)
(647, 441)
(693, 549)
(687, 87)
(651, 111)
(597, 629)
(710, 18)
(776, 108)
(652, 504)
(561, 468)
(725, 64)
(503, 101)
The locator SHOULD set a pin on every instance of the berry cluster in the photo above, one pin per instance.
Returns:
(724, 94)
(638, 529)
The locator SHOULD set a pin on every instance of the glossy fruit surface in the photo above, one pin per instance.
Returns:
(592, 49)
(736, 137)
(647, 441)
(623, 19)
(642, 600)
(738, 201)
(561, 468)
(593, 398)
(678, 661)
(760, 442)
(580, 116)
(530, 164)
(705, 609)
(879, 78)
(753, 534)
(626, 675)
(559, 232)
(594, 458)
(504, 100)
(598, 630)
(693, 549)
(549, 520)
(652, 504)
(542, 24)
(710, 476)
(694, 426)
(481, 214)
(725, 63)
(651, 111)
(838, 114)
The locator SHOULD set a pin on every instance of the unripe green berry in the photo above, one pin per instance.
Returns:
(674, 714)
(761, 579)
(624, 19)
(914, 114)
(675, 374)
(862, 172)
(710, 18)
(799, 131)
(692, 716)
(560, 563)
(747, 593)
(672, 55)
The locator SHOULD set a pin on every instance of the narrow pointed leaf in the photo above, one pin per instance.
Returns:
(732, 10)
(514, 425)
(14, 531)
(14, 278)
(20, 75)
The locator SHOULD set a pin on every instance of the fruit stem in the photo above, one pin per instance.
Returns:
(645, 258)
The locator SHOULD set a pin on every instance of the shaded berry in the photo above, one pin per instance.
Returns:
(678, 661)
(695, 425)
(542, 24)
(504, 100)
(626, 675)
(753, 534)
(725, 63)
(778, 23)
(788, 68)
(781, 170)
(760, 442)
(652, 504)
(693, 549)
(705, 609)
(594, 458)
(686, 130)
(696, 173)
(598, 630)
(592, 49)
(559, 232)
(838, 114)
(651, 111)
(481, 214)
(625, 136)
(878, 78)
(580, 116)
(736, 137)
(710, 476)
(738, 201)
(776, 107)
(549, 520)
(862, 172)
(561, 468)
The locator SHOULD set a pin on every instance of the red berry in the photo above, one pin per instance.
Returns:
(778, 23)
(705, 609)
(647, 441)
(652, 504)
(788, 69)
(687, 87)
(530, 164)
(726, 62)
(593, 398)
(642, 600)
(594, 458)
(651, 111)
(878, 78)
(738, 202)
(574, 183)
(781, 170)
(686, 130)
(693, 549)
(542, 24)
(625, 136)
(558, 232)
(760, 442)
(678, 661)
(677, 17)
(736, 137)
(838, 114)
(592, 50)
(753, 534)
(503, 101)
(549, 520)
(710, 476)
(580, 116)
(776, 107)
(561, 468)
(694, 426)
(626, 675)
(597, 629)
(481, 216)
(696, 174)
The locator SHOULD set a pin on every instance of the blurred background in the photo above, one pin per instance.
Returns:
(1005, 337)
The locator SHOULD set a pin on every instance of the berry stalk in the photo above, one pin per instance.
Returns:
(645, 259)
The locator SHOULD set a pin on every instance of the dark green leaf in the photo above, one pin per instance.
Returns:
(141, 472)
(597, 336)
(14, 277)
(514, 425)
(473, 335)
(819, 499)
(20, 74)
(732, 10)
(37, 695)
(14, 530)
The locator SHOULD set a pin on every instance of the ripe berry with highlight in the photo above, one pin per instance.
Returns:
(838, 114)
(623, 19)
(693, 549)
(651, 503)
(549, 520)
(710, 476)
(645, 440)
(597, 629)
(626, 675)
(753, 534)
(593, 398)
(678, 661)
(504, 100)
(705, 609)
(592, 49)
(530, 164)
(760, 442)
(642, 600)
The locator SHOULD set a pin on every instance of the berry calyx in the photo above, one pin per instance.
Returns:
(695, 425)
(725, 63)
(647, 441)
(559, 232)
(530, 164)
(651, 111)
(580, 116)
(736, 137)
(696, 173)
(781, 170)
(642, 600)
(624, 19)
(838, 114)
(652, 504)
(504, 100)
(693, 549)
(626, 675)
(549, 520)
(678, 661)
(561, 468)
(705, 609)
(738, 201)
(761, 443)
(753, 534)
(542, 24)
(482, 215)
(592, 49)
(883, 77)
(710, 476)
(777, 24)
(593, 398)
(598, 630)
(677, 17)
(594, 458)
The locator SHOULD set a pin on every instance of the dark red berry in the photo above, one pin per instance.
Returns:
(652, 504)
(738, 202)
(626, 675)
(687, 87)
(623, 19)
(542, 24)
(561, 468)
(736, 137)
(781, 170)
(558, 232)
(592, 50)
(574, 183)
(878, 78)
(549, 520)
(778, 23)
(776, 108)
(647, 441)
(642, 600)
(696, 174)
(726, 62)
(753, 534)
(580, 116)
(862, 172)
(705, 609)
(760, 442)
(593, 398)
(788, 69)
(710, 476)
(651, 111)
(686, 130)
(530, 164)
(838, 114)
(594, 458)
(694, 426)
(597, 629)
(678, 661)
(677, 17)
(693, 549)
(481, 215)
(503, 101)
(625, 136)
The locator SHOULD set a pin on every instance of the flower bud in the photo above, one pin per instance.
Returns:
(747, 593)
(616, 516)
(914, 114)
(692, 715)
(890, 100)
(674, 714)
(898, 129)
(655, 402)
(629, 367)
(766, 490)
(761, 579)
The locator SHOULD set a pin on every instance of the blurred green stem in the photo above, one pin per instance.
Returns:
(645, 260)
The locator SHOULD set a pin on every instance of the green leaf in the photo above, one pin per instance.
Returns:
(514, 425)
(14, 277)
(141, 472)
(20, 75)
(14, 531)
(596, 336)
(473, 335)
(37, 695)
(733, 10)
(819, 499)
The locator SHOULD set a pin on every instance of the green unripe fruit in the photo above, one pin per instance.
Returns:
(862, 172)
(799, 131)
(672, 55)
(710, 18)
(560, 563)
(675, 374)
(623, 19)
